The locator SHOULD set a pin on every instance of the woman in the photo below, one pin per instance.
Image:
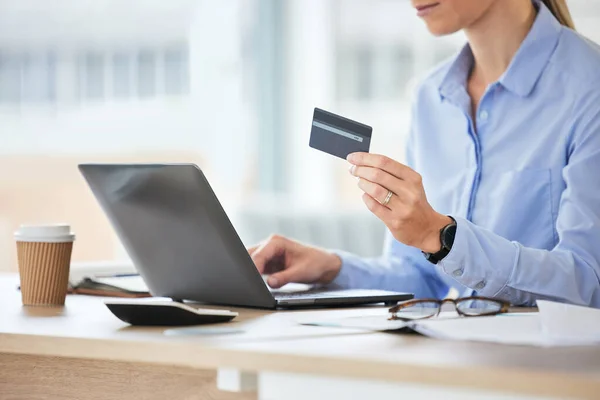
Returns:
(505, 142)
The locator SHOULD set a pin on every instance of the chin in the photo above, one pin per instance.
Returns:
(442, 29)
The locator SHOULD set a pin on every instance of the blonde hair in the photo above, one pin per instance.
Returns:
(560, 10)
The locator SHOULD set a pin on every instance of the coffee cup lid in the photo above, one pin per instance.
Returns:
(53, 233)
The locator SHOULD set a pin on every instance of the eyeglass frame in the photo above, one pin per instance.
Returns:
(504, 306)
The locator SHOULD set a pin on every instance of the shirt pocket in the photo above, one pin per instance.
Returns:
(518, 206)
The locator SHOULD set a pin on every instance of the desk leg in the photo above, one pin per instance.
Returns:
(26, 377)
(277, 386)
(234, 380)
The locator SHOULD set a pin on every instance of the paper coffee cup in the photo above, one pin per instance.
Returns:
(44, 256)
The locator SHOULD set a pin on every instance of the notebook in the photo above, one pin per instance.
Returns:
(119, 286)
(114, 278)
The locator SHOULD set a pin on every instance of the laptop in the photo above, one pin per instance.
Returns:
(184, 246)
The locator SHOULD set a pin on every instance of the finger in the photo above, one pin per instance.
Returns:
(383, 179)
(381, 212)
(272, 248)
(376, 191)
(252, 249)
(282, 278)
(393, 167)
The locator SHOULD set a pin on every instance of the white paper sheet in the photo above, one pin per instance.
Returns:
(569, 324)
(522, 329)
(368, 323)
(556, 324)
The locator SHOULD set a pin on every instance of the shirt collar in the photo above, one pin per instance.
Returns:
(526, 66)
(456, 76)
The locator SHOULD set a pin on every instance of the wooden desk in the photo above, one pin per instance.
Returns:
(82, 351)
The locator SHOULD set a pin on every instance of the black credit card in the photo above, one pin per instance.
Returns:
(337, 135)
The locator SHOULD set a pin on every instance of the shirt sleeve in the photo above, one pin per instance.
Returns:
(570, 272)
(400, 268)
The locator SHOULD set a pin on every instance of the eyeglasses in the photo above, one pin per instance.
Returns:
(465, 306)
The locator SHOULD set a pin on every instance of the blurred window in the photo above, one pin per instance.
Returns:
(38, 80)
(403, 68)
(121, 74)
(146, 74)
(92, 76)
(176, 79)
(375, 73)
(10, 78)
(365, 79)
(28, 78)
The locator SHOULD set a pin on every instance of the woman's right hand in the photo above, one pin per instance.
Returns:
(289, 261)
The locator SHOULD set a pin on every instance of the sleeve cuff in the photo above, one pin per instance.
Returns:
(461, 265)
(344, 277)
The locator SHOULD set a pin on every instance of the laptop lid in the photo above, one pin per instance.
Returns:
(177, 233)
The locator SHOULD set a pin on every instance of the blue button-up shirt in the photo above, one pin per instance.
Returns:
(522, 180)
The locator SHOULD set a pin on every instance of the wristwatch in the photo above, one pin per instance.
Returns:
(447, 235)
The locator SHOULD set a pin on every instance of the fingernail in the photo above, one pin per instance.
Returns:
(351, 169)
(273, 281)
(350, 157)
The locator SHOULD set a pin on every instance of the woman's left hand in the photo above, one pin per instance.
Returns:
(407, 214)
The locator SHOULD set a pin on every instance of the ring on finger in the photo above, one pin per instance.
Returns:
(387, 199)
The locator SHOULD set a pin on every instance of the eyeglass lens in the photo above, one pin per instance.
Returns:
(473, 307)
(418, 310)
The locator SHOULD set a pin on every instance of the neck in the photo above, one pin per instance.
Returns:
(497, 35)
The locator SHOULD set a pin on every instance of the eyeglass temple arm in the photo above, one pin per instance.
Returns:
(408, 303)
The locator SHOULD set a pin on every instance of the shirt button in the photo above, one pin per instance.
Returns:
(480, 285)
(458, 272)
(483, 115)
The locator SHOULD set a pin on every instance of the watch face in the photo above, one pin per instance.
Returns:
(448, 236)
